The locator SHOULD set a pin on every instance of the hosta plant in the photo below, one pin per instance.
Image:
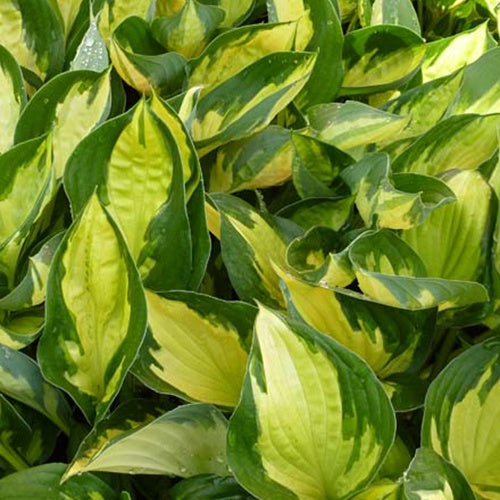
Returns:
(249, 249)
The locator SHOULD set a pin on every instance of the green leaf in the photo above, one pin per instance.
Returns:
(44, 482)
(196, 346)
(18, 330)
(454, 242)
(209, 487)
(398, 12)
(247, 102)
(12, 97)
(96, 312)
(91, 53)
(250, 247)
(463, 141)
(388, 270)
(22, 380)
(184, 442)
(70, 105)
(142, 62)
(399, 201)
(235, 12)
(190, 29)
(461, 410)
(68, 11)
(34, 36)
(380, 58)
(313, 421)
(390, 339)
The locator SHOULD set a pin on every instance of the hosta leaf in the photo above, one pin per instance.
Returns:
(247, 102)
(142, 62)
(461, 411)
(389, 271)
(454, 241)
(91, 53)
(141, 161)
(444, 57)
(26, 186)
(431, 476)
(480, 92)
(92, 331)
(380, 58)
(390, 339)
(462, 141)
(70, 106)
(22, 380)
(235, 12)
(250, 246)
(425, 104)
(185, 442)
(313, 421)
(406, 390)
(30, 291)
(234, 50)
(399, 201)
(68, 11)
(189, 30)
(44, 482)
(19, 330)
(12, 97)
(34, 37)
(399, 12)
(353, 124)
(382, 489)
(318, 30)
(209, 487)
(196, 346)
(165, 8)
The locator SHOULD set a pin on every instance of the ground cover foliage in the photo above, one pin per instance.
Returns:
(249, 249)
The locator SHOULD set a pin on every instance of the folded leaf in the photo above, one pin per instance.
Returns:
(92, 332)
(313, 421)
(235, 12)
(209, 487)
(91, 53)
(196, 346)
(185, 442)
(70, 105)
(19, 330)
(398, 12)
(461, 410)
(68, 10)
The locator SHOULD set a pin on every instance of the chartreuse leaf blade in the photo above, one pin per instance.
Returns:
(318, 30)
(68, 10)
(250, 246)
(185, 442)
(22, 380)
(196, 345)
(462, 141)
(235, 12)
(190, 29)
(398, 12)
(35, 37)
(17, 331)
(234, 50)
(454, 241)
(388, 270)
(12, 97)
(380, 58)
(44, 482)
(92, 331)
(247, 102)
(26, 187)
(313, 421)
(390, 339)
(92, 53)
(461, 410)
(70, 106)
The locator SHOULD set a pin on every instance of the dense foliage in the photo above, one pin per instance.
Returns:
(249, 249)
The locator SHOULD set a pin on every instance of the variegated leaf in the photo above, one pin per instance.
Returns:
(250, 247)
(164, 8)
(185, 442)
(382, 489)
(462, 410)
(196, 347)
(247, 102)
(380, 58)
(34, 37)
(398, 12)
(313, 421)
(399, 201)
(19, 330)
(390, 339)
(454, 241)
(12, 97)
(22, 380)
(70, 106)
(91, 53)
(235, 12)
(190, 29)
(463, 141)
(142, 62)
(209, 487)
(68, 11)
(96, 312)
